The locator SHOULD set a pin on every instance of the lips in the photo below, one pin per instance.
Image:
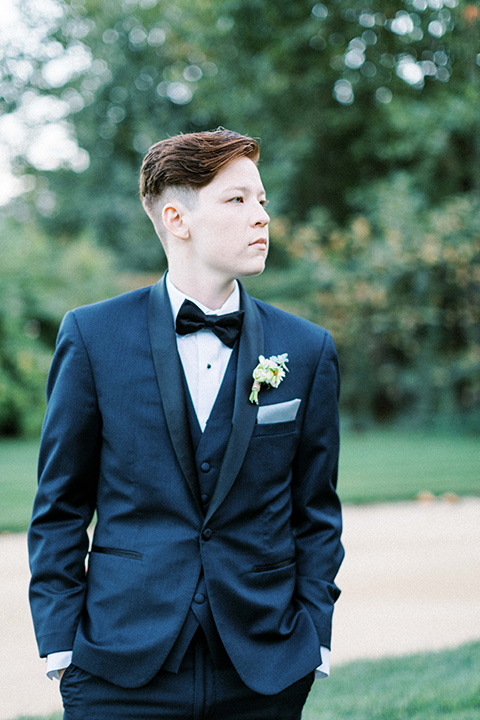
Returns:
(260, 241)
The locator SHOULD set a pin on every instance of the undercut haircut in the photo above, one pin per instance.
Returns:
(190, 161)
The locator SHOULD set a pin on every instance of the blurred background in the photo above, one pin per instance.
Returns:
(369, 119)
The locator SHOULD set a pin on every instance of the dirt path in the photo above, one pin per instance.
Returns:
(410, 581)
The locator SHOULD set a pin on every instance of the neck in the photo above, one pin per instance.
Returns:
(209, 293)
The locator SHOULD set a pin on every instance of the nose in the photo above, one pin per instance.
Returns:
(262, 217)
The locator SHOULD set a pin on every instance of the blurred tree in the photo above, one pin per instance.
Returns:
(342, 94)
(400, 290)
(131, 91)
(40, 280)
(346, 93)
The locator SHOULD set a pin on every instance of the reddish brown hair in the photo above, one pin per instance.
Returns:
(192, 160)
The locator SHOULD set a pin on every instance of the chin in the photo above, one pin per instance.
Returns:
(253, 271)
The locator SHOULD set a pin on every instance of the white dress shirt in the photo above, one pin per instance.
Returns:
(204, 359)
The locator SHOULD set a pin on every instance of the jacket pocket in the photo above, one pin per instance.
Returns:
(278, 412)
(274, 566)
(278, 428)
(131, 554)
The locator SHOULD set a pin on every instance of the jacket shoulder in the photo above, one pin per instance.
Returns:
(108, 310)
(107, 317)
(112, 305)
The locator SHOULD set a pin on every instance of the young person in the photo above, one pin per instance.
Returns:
(201, 426)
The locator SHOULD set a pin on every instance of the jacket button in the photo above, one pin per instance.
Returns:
(207, 534)
(199, 598)
(205, 467)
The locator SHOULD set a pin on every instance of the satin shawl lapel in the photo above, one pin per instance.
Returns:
(169, 371)
(244, 412)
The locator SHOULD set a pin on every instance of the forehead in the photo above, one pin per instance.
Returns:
(240, 173)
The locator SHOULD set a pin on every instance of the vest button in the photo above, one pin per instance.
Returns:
(199, 598)
(207, 534)
(205, 498)
(205, 467)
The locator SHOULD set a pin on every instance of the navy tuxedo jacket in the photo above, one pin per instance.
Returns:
(116, 440)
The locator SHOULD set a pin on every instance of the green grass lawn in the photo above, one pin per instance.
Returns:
(374, 466)
(395, 465)
(433, 686)
(18, 470)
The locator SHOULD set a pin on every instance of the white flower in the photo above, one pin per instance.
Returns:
(269, 371)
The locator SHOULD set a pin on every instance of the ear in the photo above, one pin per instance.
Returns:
(173, 218)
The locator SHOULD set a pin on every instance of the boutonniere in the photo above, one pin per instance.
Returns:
(269, 371)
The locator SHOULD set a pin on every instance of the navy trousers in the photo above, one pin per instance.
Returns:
(199, 691)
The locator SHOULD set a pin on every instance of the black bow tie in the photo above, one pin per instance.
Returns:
(226, 327)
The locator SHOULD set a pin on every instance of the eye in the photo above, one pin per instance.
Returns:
(264, 203)
(238, 199)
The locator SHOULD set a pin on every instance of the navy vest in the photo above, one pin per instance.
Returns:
(209, 448)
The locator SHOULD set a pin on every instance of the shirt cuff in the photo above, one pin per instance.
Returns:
(58, 661)
(323, 670)
(61, 660)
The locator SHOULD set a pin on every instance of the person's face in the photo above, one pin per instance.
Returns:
(228, 224)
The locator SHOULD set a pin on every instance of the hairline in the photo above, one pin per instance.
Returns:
(186, 192)
(183, 193)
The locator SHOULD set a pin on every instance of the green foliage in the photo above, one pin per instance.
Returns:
(132, 94)
(419, 687)
(39, 281)
(325, 87)
(399, 289)
(342, 94)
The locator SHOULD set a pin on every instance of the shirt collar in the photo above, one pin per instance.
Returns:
(177, 297)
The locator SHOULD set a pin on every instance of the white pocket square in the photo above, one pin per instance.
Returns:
(279, 412)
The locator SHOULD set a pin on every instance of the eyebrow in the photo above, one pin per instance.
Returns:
(242, 189)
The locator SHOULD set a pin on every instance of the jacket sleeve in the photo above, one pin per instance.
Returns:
(65, 500)
(316, 516)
